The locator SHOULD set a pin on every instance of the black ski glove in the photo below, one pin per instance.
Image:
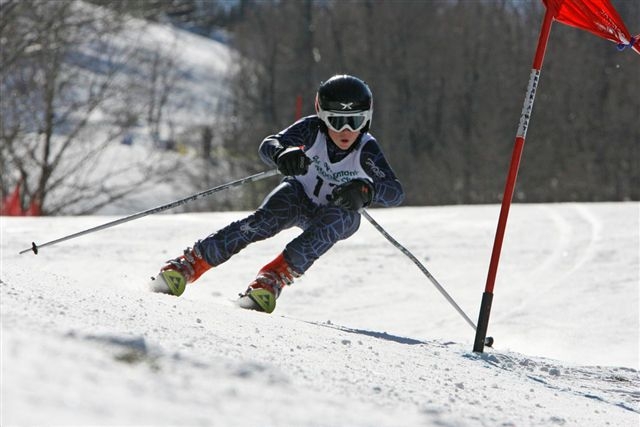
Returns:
(292, 161)
(353, 195)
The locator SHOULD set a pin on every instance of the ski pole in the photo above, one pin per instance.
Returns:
(236, 183)
(422, 268)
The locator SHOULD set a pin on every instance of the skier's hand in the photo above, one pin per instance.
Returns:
(353, 195)
(292, 161)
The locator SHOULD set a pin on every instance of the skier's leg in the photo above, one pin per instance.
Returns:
(265, 289)
(324, 226)
(279, 210)
(329, 225)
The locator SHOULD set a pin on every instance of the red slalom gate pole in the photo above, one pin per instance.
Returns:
(487, 296)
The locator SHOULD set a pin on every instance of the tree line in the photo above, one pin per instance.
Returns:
(67, 93)
(449, 79)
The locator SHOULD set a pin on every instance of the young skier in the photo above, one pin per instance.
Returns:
(333, 167)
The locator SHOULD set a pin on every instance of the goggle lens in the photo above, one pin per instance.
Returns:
(338, 123)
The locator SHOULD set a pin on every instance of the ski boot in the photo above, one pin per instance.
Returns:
(186, 268)
(262, 293)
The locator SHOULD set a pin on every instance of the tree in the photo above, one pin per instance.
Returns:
(65, 99)
(448, 79)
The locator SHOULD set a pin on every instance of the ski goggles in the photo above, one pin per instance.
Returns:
(339, 121)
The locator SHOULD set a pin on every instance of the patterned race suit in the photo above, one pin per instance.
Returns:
(304, 201)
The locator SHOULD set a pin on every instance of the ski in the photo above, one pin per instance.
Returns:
(168, 282)
(171, 282)
(259, 300)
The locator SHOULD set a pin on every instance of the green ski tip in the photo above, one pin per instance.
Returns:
(174, 280)
(265, 299)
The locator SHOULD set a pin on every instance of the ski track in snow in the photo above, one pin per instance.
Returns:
(84, 342)
(576, 233)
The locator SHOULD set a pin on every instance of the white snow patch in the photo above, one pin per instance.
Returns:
(363, 339)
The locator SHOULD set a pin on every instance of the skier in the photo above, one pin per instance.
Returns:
(333, 167)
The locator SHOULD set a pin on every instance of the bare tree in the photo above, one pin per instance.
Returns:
(66, 97)
(448, 79)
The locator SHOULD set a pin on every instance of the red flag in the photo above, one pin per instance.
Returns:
(11, 204)
(596, 16)
(34, 209)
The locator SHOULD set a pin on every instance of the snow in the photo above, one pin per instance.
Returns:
(198, 67)
(363, 339)
(195, 79)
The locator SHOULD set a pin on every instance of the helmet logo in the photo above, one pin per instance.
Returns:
(347, 106)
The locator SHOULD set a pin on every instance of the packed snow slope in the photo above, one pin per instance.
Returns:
(363, 339)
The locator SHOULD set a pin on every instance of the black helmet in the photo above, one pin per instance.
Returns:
(345, 101)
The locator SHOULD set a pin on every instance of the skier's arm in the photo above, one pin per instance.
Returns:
(269, 150)
(387, 190)
(300, 134)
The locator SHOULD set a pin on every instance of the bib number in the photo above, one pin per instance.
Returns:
(319, 183)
